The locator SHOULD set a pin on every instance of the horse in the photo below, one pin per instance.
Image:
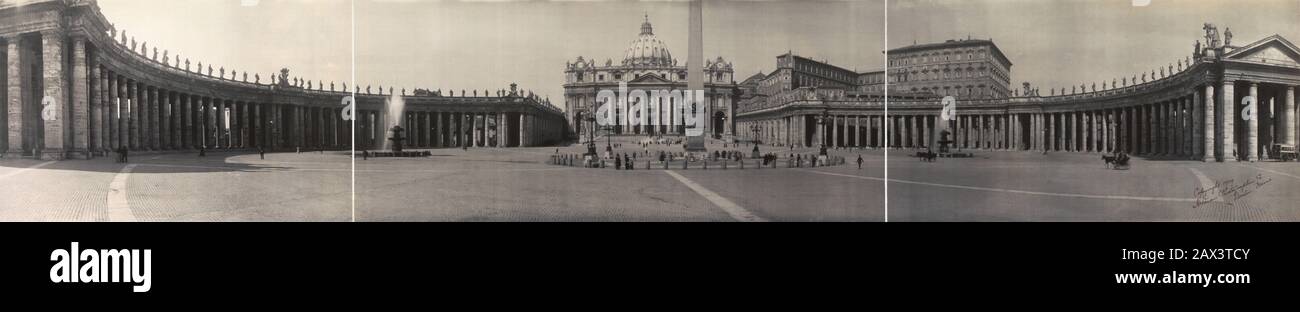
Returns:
(927, 156)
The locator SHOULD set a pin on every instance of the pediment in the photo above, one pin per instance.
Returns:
(648, 78)
(1274, 49)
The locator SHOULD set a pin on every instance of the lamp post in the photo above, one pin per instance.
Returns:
(821, 133)
(591, 132)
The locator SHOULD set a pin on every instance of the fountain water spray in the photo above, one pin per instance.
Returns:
(396, 116)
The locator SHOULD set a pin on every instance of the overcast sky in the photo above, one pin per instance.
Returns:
(311, 38)
(1060, 43)
(488, 45)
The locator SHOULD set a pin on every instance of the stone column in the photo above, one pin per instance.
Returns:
(1177, 119)
(1076, 131)
(1005, 134)
(165, 118)
(1227, 122)
(55, 86)
(438, 130)
(1152, 129)
(1203, 125)
(1133, 132)
(1185, 126)
(1289, 117)
(1091, 124)
(245, 128)
(1174, 138)
(176, 111)
(133, 93)
(120, 128)
(255, 125)
(523, 130)
(321, 130)
(100, 96)
(80, 97)
(1067, 133)
(201, 119)
(838, 125)
(1056, 131)
(189, 132)
(15, 95)
(1252, 126)
(110, 110)
(1159, 128)
(235, 133)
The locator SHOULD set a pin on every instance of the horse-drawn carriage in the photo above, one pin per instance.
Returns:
(1119, 161)
(1285, 152)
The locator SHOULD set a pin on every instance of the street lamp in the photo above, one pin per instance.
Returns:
(591, 131)
(821, 123)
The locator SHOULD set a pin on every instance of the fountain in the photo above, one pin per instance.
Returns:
(393, 146)
(395, 141)
(397, 138)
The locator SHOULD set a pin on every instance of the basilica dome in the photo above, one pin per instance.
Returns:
(647, 50)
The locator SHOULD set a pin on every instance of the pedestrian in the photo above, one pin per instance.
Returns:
(365, 155)
(618, 162)
(859, 161)
(261, 152)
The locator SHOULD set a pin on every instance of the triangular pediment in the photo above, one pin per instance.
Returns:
(648, 78)
(1273, 49)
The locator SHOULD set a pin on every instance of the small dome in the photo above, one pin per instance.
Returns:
(647, 49)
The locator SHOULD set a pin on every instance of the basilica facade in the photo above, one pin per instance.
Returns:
(647, 65)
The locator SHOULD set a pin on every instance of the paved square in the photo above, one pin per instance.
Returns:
(516, 184)
(1029, 186)
(179, 187)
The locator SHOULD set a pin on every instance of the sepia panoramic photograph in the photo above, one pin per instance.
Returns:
(902, 110)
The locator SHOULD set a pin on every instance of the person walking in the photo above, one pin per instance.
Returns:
(859, 161)
(261, 152)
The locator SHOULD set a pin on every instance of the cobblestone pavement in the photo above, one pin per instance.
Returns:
(179, 187)
(515, 184)
(1027, 186)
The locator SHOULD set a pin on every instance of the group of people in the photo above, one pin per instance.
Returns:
(623, 162)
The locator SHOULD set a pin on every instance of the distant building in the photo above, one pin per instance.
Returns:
(965, 69)
(804, 102)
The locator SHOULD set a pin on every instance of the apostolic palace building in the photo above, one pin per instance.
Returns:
(1223, 102)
